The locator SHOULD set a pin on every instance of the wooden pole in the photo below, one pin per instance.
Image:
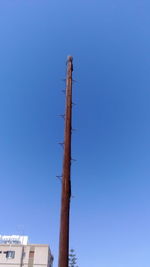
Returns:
(66, 181)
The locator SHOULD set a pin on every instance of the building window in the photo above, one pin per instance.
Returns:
(31, 254)
(31, 258)
(10, 254)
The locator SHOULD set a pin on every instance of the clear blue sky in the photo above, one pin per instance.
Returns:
(110, 43)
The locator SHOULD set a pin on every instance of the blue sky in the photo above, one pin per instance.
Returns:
(110, 43)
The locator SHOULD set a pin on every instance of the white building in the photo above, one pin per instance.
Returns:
(16, 252)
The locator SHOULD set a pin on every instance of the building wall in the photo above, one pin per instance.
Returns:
(25, 256)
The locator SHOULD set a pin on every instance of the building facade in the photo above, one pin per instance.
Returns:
(14, 253)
